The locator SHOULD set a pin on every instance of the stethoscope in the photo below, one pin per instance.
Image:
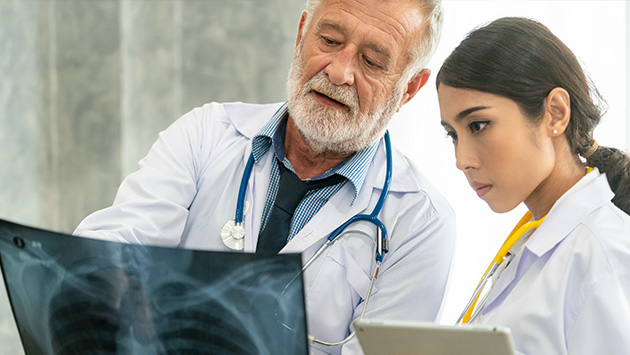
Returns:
(504, 255)
(233, 232)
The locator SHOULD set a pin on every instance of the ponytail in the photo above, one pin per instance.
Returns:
(616, 165)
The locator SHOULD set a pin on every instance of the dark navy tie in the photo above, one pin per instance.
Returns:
(291, 191)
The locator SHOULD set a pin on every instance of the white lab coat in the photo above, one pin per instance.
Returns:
(187, 186)
(568, 291)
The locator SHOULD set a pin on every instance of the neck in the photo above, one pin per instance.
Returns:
(566, 173)
(306, 162)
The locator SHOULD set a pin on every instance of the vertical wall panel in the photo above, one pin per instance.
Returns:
(149, 75)
(23, 111)
(237, 51)
(23, 129)
(88, 77)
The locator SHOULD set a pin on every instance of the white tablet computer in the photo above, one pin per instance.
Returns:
(407, 337)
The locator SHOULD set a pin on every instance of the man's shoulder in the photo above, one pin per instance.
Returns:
(247, 118)
(407, 176)
(408, 180)
(250, 109)
(426, 187)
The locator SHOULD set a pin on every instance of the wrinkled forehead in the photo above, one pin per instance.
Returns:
(395, 25)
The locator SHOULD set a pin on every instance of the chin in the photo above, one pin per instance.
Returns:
(501, 208)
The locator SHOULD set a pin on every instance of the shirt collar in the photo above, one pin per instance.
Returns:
(587, 195)
(263, 139)
(272, 134)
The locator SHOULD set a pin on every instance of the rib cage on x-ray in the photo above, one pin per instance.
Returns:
(79, 296)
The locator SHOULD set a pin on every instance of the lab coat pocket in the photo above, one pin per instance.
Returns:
(343, 277)
(357, 272)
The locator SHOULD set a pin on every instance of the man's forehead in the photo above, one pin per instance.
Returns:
(398, 18)
(384, 23)
(370, 42)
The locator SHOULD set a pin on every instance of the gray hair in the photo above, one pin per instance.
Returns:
(421, 53)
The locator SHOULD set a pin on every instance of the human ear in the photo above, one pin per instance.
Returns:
(414, 85)
(301, 28)
(558, 111)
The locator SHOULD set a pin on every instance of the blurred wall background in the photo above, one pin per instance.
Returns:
(85, 87)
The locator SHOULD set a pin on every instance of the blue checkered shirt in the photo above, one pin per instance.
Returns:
(353, 169)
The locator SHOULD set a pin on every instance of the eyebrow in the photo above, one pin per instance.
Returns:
(460, 116)
(380, 50)
(331, 25)
(468, 111)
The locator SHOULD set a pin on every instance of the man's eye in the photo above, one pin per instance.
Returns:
(370, 62)
(477, 126)
(328, 41)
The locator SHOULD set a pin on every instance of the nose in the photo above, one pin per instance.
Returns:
(465, 156)
(342, 67)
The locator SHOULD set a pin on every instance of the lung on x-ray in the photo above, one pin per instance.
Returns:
(73, 295)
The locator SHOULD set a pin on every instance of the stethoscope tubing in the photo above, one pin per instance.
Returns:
(478, 290)
(381, 231)
(238, 215)
(517, 233)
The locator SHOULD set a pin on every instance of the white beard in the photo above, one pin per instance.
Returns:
(335, 130)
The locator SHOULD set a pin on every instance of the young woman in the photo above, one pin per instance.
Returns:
(521, 114)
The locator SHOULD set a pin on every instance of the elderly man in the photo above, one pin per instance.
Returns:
(356, 63)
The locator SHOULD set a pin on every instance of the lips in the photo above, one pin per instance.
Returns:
(480, 188)
(329, 100)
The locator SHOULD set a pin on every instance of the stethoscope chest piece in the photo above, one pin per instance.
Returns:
(232, 234)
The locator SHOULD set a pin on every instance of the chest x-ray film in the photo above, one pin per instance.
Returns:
(73, 295)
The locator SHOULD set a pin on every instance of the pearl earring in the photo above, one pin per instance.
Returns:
(555, 131)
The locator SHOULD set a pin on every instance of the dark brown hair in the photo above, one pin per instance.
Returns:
(521, 59)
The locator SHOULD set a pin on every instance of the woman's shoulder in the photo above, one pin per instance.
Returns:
(607, 230)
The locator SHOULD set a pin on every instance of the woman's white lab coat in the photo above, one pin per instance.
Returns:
(568, 291)
(187, 186)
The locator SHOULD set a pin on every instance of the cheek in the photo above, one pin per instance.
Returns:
(311, 61)
(523, 168)
(373, 93)
(506, 165)
(310, 67)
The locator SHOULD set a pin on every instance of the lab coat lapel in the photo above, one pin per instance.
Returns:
(562, 219)
(257, 187)
(334, 213)
(340, 207)
(249, 120)
(248, 219)
(556, 227)
(505, 280)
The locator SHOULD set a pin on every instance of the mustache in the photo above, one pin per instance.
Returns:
(344, 94)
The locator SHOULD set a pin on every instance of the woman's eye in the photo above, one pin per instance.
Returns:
(452, 135)
(477, 126)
